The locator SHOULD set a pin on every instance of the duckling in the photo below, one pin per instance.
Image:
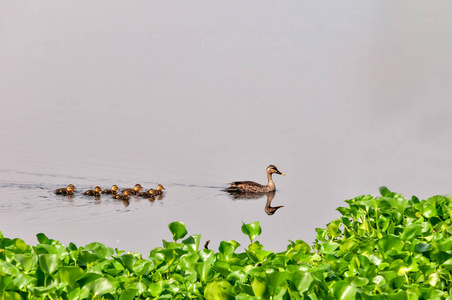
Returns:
(253, 187)
(135, 190)
(113, 191)
(159, 190)
(148, 194)
(96, 192)
(124, 196)
(69, 190)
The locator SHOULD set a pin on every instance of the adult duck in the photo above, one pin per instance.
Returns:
(254, 187)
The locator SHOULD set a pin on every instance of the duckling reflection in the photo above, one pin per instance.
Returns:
(270, 210)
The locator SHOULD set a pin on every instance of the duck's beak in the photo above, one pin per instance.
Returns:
(279, 173)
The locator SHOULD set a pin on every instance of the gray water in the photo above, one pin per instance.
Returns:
(342, 97)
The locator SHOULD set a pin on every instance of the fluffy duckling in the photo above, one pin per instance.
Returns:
(253, 187)
(159, 190)
(148, 194)
(113, 191)
(96, 192)
(137, 189)
(124, 196)
(69, 190)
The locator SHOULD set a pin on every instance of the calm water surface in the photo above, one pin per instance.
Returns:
(342, 97)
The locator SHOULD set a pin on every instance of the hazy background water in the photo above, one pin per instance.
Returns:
(341, 96)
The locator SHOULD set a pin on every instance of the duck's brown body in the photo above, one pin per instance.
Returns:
(254, 187)
(147, 194)
(124, 196)
(69, 190)
(113, 191)
(159, 190)
(96, 192)
(134, 191)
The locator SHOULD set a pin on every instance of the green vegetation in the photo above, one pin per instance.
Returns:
(384, 247)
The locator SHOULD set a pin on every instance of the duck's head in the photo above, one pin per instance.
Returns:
(126, 192)
(272, 169)
(114, 187)
(98, 189)
(138, 187)
(71, 187)
(152, 191)
(160, 187)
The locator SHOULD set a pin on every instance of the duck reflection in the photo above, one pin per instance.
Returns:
(269, 209)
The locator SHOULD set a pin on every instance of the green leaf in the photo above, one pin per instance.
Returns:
(42, 238)
(178, 230)
(28, 261)
(128, 294)
(49, 263)
(252, 230)
(23, 280)
(328, 248)
(259, 287)
(219, 290)
(99, 286)
(421, 247)
(385, 192)
(10, 296)
(302, 280)
(192, 242)
(344, 290)
(156, 288)
(390, 243)
(70, 274)
(20, 244)
(411, 231)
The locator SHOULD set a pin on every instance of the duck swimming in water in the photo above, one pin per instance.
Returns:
(149, 194)
(113, 191)
(135, 191)
(96, 192)
(254, 187)
(159, 190)
(124, 196)
(69, 190)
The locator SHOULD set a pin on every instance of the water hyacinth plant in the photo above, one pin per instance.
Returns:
(386, 247)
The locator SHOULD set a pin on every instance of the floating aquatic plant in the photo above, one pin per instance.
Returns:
(386, 247)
